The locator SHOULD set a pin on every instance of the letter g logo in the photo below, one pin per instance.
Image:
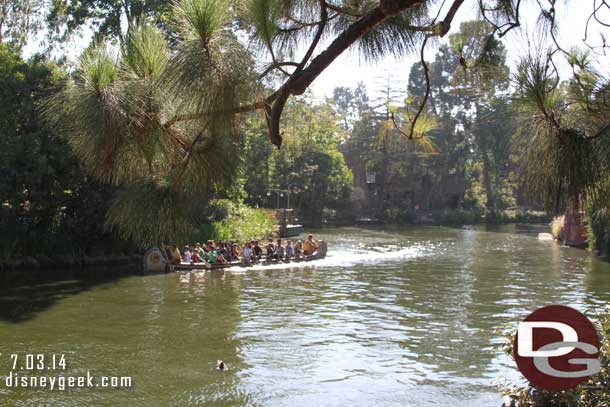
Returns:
(557, 348)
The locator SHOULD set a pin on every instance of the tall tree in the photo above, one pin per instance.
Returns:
(566, 125)
(109, 18)
(310, 165)
(162, 116)
(19, 19)
(47, 206)
(481, 84)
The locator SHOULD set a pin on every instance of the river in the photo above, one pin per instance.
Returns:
(394, 317)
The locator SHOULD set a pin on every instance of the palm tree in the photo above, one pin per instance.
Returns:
(568, 132)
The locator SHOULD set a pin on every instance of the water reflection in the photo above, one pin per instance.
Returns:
(399, 317)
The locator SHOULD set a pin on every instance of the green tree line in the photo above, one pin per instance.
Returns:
(53, 205)
(168, 109)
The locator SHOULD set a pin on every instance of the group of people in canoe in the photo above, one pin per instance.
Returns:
(250, 253)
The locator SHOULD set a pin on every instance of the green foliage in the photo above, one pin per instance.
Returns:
(464, 160)
(47, 205)
(264, 15)
(597, 209)
(398, 216)
(152, 213)
(566, 127)
(20, 19)
(281, 26)
(594, 392)
(156, 122)
(460, 217)
(395, 37)
(201, 19)
(144, 51)
(309, 164)
(67, 17)
(476, 195)
(239, 222)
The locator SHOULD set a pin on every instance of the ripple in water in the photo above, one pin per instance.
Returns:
(398, 318)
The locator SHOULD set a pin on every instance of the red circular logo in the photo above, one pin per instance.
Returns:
(556, 348)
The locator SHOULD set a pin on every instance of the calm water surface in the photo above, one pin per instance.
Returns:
(400, 317)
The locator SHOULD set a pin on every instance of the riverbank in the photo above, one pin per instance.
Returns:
(64, 262)
(414, 218)
(447, 217)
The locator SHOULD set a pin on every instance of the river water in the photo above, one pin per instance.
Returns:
(398, 317)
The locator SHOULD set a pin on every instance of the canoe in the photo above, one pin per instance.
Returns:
(319, 254)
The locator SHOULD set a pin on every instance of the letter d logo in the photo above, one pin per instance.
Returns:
(526, 338)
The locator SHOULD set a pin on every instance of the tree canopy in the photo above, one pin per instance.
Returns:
(161, 116)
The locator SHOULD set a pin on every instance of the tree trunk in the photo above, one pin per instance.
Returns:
(574, 231)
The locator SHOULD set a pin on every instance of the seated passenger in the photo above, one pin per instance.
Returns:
(221, 259)
(196, 258)
(176, 258)
(270, 250)
(248, 257)
(202, 249)
(289, 250)
(211, 246)
(187, 255)
(279, 250)
(235, 252)
(223, 248)
(258, 251)
(298, 249)
(212, 256)
(310, 246)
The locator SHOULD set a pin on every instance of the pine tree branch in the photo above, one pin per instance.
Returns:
(445, 26)
(302, 78)
(276, 66)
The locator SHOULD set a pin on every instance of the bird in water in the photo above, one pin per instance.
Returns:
(220, 365)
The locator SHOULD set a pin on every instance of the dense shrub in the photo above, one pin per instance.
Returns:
(599, 231)
(460, 216)
(557, 227)
(48, 205)
(231, 221)
(399, 216)
(597, 210)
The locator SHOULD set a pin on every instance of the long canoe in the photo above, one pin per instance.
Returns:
(155, 262)
(319, 254)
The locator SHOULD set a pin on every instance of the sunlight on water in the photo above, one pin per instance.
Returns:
(404, 317)
(342, 257)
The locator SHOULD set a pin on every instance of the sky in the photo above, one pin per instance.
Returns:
(348, 69)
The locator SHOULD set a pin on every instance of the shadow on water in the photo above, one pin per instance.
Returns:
(164, 331)
(23, 294)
